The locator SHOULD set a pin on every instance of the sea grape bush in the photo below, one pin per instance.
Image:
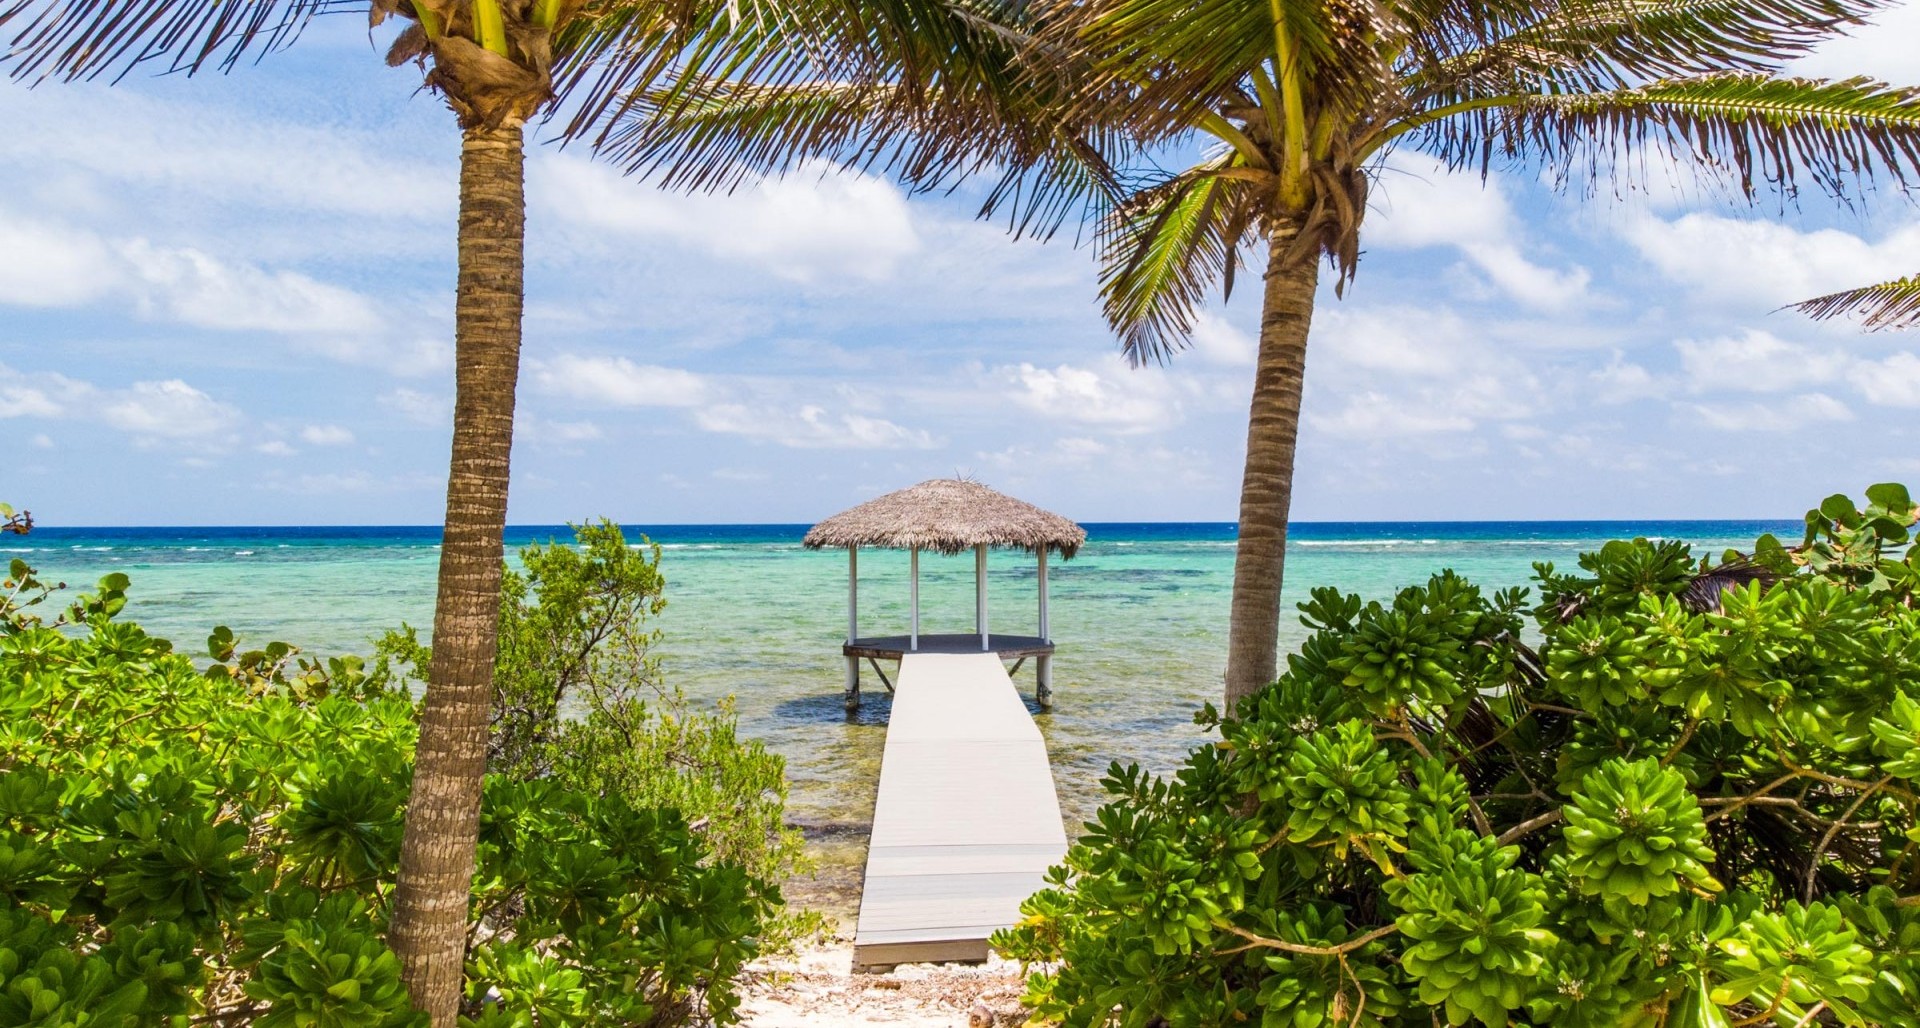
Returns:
(579, 699)
(186, 845)
(1664, 790)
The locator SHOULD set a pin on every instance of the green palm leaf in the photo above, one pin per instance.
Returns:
(1590, 45)
(1163, 249)
(1746, 128)
(1889, 305)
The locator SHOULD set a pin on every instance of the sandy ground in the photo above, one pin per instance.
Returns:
(816, 988)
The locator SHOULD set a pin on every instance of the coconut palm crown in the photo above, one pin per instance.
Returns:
(1302, 101)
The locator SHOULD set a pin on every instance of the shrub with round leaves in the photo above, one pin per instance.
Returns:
(1634, 832)
(182, 845)
(1685, 797)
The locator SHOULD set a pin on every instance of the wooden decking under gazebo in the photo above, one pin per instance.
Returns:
(966, 820)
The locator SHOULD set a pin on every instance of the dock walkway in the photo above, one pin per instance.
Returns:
(966, 822)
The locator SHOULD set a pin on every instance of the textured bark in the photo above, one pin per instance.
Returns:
(429, 928)
(1266, 488)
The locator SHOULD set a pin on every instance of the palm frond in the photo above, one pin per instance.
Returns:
(931, 91)
(1889, 305)
(1585, 45)
(1747, 129)
(84, 39)
(1160, 66)
(1163, 249)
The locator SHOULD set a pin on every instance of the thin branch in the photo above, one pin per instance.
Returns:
(1528, 826)
(1813, 860)
(1261, 941)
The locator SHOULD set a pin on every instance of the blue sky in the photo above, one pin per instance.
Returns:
(227, 300)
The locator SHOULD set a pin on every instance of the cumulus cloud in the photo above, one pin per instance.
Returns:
(1109, 394)
(169, 409)
(1217, 341)
(1425, 205)
(326, 435)
(814, 224)
(812, 427)
(1622, 381)
(1783, 415)
(428, 409)
(1776, 264)
(619, 382)
(1893, 382)
(1755, 361)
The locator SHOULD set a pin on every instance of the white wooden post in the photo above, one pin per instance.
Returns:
(853, 593)
(913, 598)
(1044, 636)
(980, 594)
(853, 627)
(1043, 664)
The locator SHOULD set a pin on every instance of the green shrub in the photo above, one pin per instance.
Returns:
(1670, 791)
(181, 845)
(579, 699)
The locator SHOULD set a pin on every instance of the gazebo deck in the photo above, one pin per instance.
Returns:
(893, 647)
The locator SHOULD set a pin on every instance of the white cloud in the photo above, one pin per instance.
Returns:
(275, 448)
(185, 285)
(1882, 49)
(1772, 416)
(230, 156)
(1424, 205)
(1763, 265)
(812, 225)
(1755, 361)
(1372, 415)
(1623, 381)
(1218, 342)
(326, 435)
(1110, 395)
(49, 266)
(813, 427)
(532, 429)
(420, 408)
(1894, 382)
(619, 382)
(42, 441)
(170, 409)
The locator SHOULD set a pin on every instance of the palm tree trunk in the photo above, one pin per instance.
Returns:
(429, 929)
(1266, 488)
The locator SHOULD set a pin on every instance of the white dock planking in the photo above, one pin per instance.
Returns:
(966, 822)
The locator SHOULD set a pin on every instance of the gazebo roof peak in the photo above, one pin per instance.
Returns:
(948, 515)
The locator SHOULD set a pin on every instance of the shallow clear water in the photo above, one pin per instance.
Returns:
(1139, 617)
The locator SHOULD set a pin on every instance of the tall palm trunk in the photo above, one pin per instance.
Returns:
(429, 928)
(1266, 488)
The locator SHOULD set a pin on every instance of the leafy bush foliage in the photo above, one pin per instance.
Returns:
(579, 699)
(218, 846)
(1671, 791)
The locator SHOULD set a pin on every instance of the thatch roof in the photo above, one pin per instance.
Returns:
(948, 515)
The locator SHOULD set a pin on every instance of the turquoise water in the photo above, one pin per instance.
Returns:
(1139, 617)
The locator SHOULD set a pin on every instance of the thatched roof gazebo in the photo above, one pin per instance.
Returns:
(947, 516)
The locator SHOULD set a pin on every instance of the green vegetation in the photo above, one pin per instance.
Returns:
(579, 700)
(219, 845)
(1691, 801)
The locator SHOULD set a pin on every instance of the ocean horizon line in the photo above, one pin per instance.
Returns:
(802, 526)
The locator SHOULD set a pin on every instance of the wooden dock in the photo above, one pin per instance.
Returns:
(966, 822)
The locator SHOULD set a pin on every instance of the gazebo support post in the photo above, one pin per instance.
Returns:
(913, 598)
(1043, 664)
(853, 627)
(980, 594)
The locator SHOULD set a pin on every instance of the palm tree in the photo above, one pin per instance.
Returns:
(1301, 102)
(902, 65)
(1889, 305)
(494, 62)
